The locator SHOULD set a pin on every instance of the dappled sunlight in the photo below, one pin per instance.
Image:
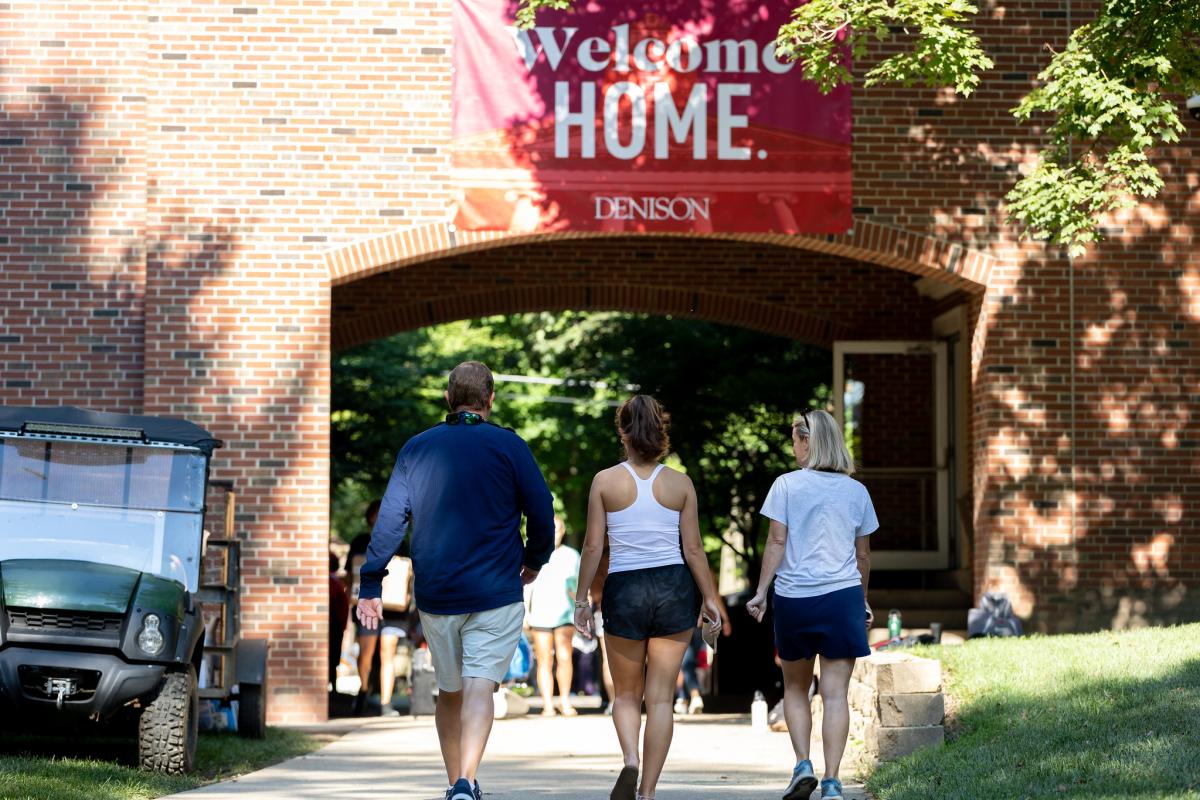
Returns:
(1019, 403)
(1004, 578)
(1151, 557)
(1014, 448)
(1189, 284)
(1116, 412)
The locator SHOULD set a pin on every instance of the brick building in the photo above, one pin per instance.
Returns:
(202, 200)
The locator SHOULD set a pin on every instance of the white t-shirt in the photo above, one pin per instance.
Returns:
(552, 595)
(824, 513)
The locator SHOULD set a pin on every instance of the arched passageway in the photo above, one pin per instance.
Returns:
(823, 297)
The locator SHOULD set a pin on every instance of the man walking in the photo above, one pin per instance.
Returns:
(463, 486)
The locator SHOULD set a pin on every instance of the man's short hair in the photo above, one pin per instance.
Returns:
(470, 386)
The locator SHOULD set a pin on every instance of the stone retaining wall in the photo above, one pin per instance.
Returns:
(896, 704)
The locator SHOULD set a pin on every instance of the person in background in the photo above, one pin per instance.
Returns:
(551, 616)
(376, 647)
(688, 699)
(463, 486)
(658, 582)
(819, 557)
(597, 598)
(339, 616)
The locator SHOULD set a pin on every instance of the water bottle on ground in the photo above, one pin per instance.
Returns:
(758, 712)
(894, 625)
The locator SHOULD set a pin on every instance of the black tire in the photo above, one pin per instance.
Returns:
(252, 711)
(169, 726)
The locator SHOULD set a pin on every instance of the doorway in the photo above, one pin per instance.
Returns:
(893, 401)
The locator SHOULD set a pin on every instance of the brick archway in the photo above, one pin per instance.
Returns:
(735, 311)
(869, 242)
(817, 294)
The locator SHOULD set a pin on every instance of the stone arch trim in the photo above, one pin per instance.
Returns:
(740, 312)
(869, 241)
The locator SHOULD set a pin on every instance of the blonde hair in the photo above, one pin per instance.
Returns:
(826, 446)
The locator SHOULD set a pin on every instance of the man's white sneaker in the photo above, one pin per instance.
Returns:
(696, 706)
(681, 706)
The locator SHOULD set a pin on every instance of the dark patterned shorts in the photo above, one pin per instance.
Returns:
(645, 603)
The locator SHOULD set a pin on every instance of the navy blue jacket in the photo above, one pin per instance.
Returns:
(463, 489)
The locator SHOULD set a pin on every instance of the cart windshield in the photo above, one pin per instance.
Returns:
(127, 505)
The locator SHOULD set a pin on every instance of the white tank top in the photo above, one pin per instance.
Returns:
(646, 534)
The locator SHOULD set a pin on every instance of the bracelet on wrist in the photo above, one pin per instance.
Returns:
(583, 603)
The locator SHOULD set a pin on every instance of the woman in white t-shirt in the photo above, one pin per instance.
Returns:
(551, 615)
(819, 557)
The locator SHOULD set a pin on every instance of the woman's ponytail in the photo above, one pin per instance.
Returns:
(643, 424)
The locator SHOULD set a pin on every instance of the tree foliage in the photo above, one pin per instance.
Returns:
(1113, 92)
(732, 394)
(944, 51)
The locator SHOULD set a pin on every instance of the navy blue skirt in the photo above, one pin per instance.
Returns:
(832, 625)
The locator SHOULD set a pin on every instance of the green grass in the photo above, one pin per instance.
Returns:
(1108, 715)
(55, 768)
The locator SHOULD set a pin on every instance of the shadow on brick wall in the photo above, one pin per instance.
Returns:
(72, 263)
(1125, 555)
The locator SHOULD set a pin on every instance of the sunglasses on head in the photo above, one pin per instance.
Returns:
(801, 425)
(464, 418)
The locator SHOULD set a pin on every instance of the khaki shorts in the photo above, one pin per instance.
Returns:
(477, 645)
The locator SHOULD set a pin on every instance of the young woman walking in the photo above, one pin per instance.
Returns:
(658, 582)
(818, 554)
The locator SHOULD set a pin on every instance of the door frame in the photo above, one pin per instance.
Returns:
(938, 559)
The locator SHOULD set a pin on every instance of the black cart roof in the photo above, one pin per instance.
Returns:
(73, 421)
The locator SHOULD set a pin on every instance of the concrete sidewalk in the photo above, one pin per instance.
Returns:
(712, 758)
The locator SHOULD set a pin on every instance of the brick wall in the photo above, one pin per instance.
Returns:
(176, 175)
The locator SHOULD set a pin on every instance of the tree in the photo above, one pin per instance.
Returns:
(1112, 92)
(387, 391)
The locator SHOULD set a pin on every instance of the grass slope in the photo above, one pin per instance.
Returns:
(53, 768)
(1107, 715)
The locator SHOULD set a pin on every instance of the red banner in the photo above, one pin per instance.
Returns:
(661, 115)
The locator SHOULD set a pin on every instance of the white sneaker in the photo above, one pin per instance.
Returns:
(696, 706)
(681, 706)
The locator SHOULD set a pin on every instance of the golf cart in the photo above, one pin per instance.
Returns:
(102, 544)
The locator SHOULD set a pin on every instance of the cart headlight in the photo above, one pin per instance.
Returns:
(150, 638)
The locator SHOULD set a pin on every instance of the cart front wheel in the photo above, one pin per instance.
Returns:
(168, 727)
(252, 711)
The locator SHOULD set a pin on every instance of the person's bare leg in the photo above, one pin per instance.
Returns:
(477, 714)
(348, 637)
(387, 668)
(366, 652)
(564, 668)
(797, 678)
(605, 672)
(543, 647)
(835, 681)
(627, 659)
(664, 656)
(448, 718)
